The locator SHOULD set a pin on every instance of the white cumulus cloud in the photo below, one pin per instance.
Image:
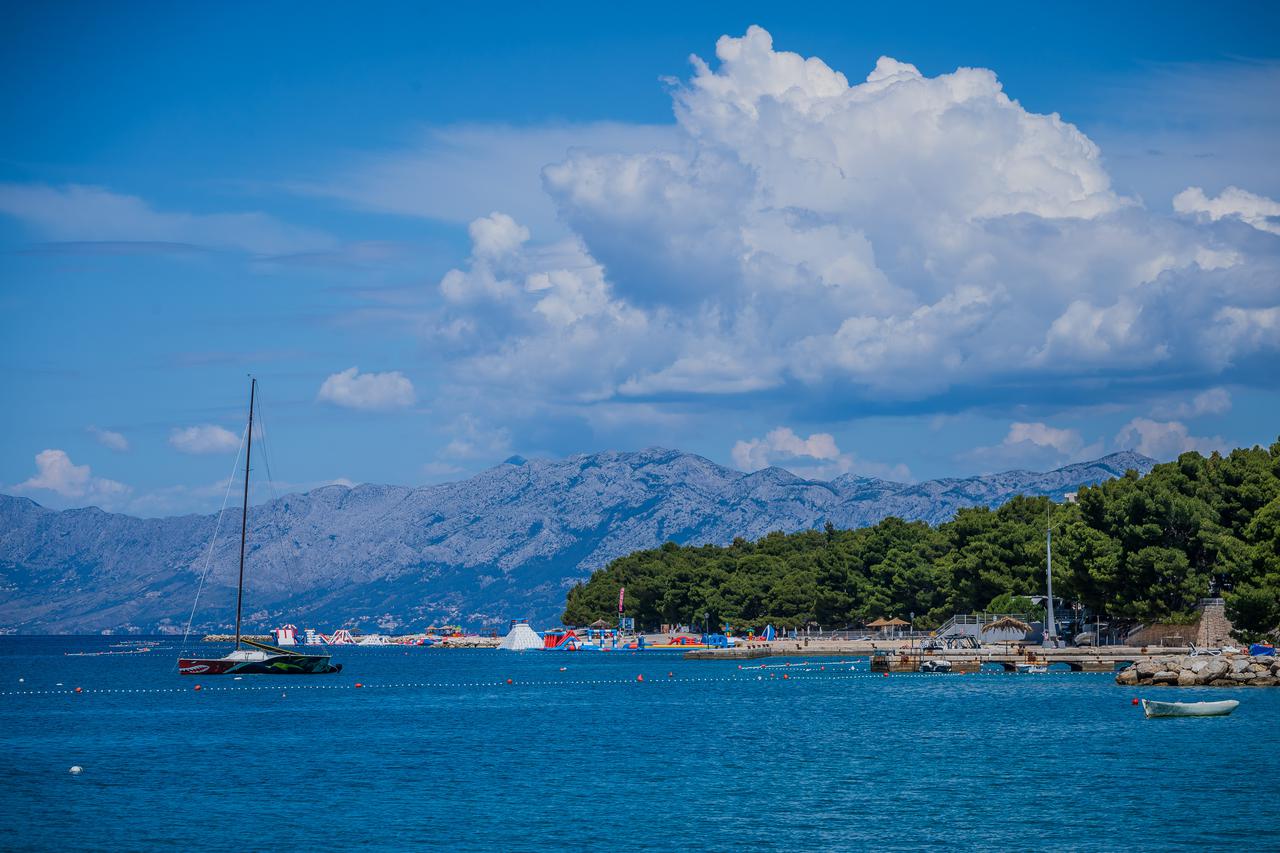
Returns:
(899, 237)
(204, 438)
(1232, 203)
(1037, 444)
(371, 391)
(497, 234)
(1164, 439)
(816, 457)
(1062, 440)
(56, 473)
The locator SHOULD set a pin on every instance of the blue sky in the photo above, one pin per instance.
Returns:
(442, 236)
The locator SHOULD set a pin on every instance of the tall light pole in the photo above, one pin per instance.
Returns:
(1051, 627)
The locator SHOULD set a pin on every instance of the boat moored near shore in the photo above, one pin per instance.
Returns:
(1152, 708)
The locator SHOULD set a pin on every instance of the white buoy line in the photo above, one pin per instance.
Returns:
(794, 674)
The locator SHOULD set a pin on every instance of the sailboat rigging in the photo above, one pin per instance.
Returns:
(259, 658)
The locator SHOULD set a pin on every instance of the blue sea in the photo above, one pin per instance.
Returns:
(436, 750)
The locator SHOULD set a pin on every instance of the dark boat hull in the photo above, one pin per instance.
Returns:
(274, 665)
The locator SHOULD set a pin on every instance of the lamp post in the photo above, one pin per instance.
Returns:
(1051, 627)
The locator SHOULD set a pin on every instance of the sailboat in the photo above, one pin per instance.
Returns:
(258, 658)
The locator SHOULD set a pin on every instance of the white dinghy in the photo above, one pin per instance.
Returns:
(1189, 709)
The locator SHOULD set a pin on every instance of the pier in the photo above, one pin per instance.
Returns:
(1103, 659)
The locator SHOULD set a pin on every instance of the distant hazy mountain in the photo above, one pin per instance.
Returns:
(506, 543)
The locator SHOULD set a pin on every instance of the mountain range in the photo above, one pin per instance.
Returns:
(505, 543)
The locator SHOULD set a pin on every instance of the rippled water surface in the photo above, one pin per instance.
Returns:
(436, 749)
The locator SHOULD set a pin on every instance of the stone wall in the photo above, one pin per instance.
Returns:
(1214, 629)
(1203, 670)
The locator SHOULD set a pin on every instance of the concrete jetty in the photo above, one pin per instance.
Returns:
(905, 659)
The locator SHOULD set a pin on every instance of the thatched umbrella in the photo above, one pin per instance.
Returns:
(1007, 623)
(877, 623)
(599, 623)
(896, 622)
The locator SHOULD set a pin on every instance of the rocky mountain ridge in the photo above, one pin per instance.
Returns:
(506, 542)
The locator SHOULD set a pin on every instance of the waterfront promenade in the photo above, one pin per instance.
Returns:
(902, 657)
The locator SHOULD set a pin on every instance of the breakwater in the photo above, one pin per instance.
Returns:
(906, 658)
(1200, 670)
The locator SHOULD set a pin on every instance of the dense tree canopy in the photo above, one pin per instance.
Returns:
(1139, 549)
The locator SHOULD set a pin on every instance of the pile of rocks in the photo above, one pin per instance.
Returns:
(468, 643)
(1196, 670)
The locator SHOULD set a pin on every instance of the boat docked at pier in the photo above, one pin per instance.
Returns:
(258, 658)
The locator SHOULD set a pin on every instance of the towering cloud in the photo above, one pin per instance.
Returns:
(900, 238)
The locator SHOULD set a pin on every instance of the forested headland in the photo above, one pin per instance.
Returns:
(1138, 549)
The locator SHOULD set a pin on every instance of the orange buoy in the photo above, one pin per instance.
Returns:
(1134, 702)
(358, 684)
(784, 675)
(886, 675)
(508, 681)
(671, 675)
(822, 669)
(197, 687)
(639, 678)
(78, 690)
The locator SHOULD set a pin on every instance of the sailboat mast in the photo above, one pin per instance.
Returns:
(244, 511)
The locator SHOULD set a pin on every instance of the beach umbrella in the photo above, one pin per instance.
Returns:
(895, 621)
(877, 623)
(1007, 623)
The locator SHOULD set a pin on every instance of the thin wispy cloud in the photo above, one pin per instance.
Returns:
(110, 439)
(204, 438)
(461, 172)
(82, 216)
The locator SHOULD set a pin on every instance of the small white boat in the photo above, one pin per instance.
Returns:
(936, 665)
(1032, 668)
(1189, 709)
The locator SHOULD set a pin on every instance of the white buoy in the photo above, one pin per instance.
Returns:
(20, 680)
(75, 769)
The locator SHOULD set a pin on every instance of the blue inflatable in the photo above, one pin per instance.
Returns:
(1262, 649)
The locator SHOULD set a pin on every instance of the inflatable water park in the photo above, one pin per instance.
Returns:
(601, 637)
